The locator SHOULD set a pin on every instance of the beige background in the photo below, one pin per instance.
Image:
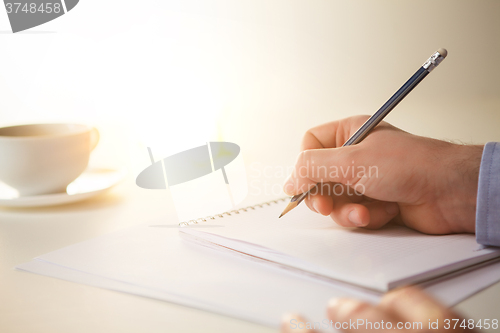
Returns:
(258, 73)
(173, 74)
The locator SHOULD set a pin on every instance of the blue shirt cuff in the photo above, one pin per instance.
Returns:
(488, 197)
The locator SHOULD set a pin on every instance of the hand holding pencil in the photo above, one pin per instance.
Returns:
(364, 172)
(434, 60)
(429, 185)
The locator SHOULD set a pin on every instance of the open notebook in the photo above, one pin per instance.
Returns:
(308, 242)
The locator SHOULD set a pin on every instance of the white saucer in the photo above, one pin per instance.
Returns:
(90, 183)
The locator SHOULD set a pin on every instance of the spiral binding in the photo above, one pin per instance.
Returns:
(229, 213)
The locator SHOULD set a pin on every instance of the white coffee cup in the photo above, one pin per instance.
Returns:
(44, 158)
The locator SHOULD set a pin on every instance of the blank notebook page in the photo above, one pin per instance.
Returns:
(376, 259)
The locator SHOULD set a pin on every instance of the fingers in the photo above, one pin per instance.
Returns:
(320, 199)
(407, 309)
(332, 134)
(379, 214)
(294, 323)
(346, 213)
(371, 215)
(294, 186)
(350, 209)
(323, 198)
(325, 165)
(414, 305)
(323, 159)
(351, 315)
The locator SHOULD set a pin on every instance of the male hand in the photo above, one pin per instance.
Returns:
(407, 310)
(426, 184)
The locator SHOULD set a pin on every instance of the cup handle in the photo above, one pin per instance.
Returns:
(94, 138)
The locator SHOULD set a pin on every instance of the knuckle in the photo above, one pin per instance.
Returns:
(305, 158)
(352, 309)
(409, 292)
(390, 300)
(360, 120)
(309, 138)
(362, 117)
(307, 134)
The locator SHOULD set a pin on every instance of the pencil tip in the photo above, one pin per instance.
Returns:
(280, 215)
(288, 208)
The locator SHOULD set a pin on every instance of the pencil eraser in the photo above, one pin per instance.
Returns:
(443, 52)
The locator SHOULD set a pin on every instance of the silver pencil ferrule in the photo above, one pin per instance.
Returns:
(433, 62)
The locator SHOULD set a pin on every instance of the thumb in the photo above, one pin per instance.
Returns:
(337, 165)
(295, 324)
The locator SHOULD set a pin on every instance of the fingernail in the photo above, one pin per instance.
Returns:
(333, 303)
(392, 208)
(289, 322)
(315, 205)
(355, 218)
(334, 306)
(339, 308)
(288, 186)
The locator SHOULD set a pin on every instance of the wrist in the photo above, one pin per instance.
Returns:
(458, 201)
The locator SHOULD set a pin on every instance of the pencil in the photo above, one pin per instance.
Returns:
(377, 117)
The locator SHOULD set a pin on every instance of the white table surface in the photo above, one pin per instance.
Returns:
(34, 303)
